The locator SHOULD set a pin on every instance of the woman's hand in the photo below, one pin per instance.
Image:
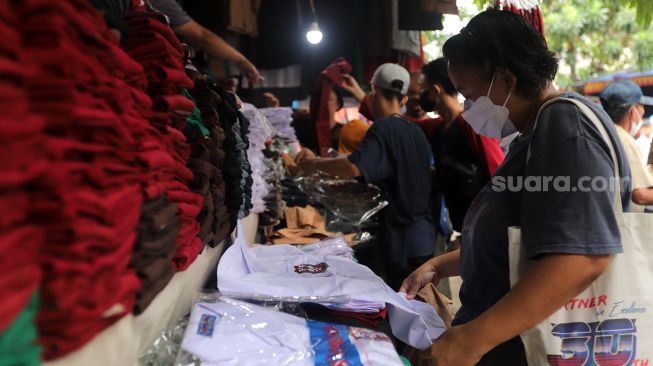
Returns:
(248, 68)
(456, 347)
(425, 274)
(351, 85)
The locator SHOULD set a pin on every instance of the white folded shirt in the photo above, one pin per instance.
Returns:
(230, 332)
(286, 271)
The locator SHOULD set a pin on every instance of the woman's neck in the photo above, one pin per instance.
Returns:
(523, 114)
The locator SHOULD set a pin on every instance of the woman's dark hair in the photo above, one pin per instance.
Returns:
(495, 39)
(435, 72)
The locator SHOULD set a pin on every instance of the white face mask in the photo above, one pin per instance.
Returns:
(487, 118)
(634, 128)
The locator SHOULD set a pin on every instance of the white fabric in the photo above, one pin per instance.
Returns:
(640, 176)
(609, 323)
(260, 131)
(283, 270)
(231, 332)
(644, 145)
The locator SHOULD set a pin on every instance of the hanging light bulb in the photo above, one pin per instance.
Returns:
(314, 34)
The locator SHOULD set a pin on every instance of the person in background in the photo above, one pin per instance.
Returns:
(464, 159)
(352, 134)
(502, 66)
(271, 100)
(624, 102)
(395, 155)
(644, 139)
(334, 104)
(185, 27)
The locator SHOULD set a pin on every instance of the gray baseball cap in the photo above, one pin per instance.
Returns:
(623, 93)
(392, 77)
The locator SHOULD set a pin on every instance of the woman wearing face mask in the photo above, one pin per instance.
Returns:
(502, 66)
(464, 159)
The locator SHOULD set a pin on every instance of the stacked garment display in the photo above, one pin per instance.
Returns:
(237, 172)
(90, 205)
(260, 132)
(23, 167)
(206, 137)
(153, 44)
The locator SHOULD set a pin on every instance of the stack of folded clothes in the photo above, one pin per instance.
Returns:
(153, 44)
(208, 158)
(90, 207)
(22, 158)
(273, 175)
(260, 132)
(237, 172)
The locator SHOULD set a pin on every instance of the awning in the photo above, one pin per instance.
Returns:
(595, 86)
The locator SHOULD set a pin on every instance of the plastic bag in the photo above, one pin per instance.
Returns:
(225, 331)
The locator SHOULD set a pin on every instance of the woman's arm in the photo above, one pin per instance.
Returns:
(442, 266)
(549, 285)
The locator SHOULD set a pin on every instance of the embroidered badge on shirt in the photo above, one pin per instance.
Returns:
(311, 268)
(207, 323)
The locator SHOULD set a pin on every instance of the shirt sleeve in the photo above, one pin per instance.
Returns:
(173, 11)
(571, 211)
(372, 157)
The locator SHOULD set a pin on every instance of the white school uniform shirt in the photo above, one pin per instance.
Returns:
(286, 271)
(233, 333)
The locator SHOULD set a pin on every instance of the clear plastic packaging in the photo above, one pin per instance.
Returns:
(166, 347)
(330, 246)
(225, 331)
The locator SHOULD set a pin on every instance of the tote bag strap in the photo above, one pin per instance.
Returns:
(617, 205)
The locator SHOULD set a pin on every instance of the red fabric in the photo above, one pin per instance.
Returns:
(370, 319)
(330, 77)
(428, 125)
(488, 150)
(532, 16)
(366, 109)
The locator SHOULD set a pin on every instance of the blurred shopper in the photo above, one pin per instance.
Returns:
(464, 160)
(352, 134)
(211, 43)
(502, 66)
(395, 155)
(624, 103)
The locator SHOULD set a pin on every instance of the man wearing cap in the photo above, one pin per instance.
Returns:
(396, 155)
(624, 102)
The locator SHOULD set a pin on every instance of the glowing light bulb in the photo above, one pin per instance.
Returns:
(314, 34)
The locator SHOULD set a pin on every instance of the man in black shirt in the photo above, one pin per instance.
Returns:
(396, 155)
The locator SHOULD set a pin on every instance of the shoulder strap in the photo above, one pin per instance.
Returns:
(587, 111)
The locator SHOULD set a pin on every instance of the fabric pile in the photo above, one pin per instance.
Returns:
(260, 132)
(153, 44)
(330, 280)
(260, 336)
(23, 163)
(237, 172)
(280, 119)
(274, 173)
(528, 9)
(206, 136)
(91, 205)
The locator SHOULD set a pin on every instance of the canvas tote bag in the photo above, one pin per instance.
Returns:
(611, 322)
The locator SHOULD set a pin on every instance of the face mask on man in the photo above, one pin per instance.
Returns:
(634, 127)
(427, 104)
(487, 118)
